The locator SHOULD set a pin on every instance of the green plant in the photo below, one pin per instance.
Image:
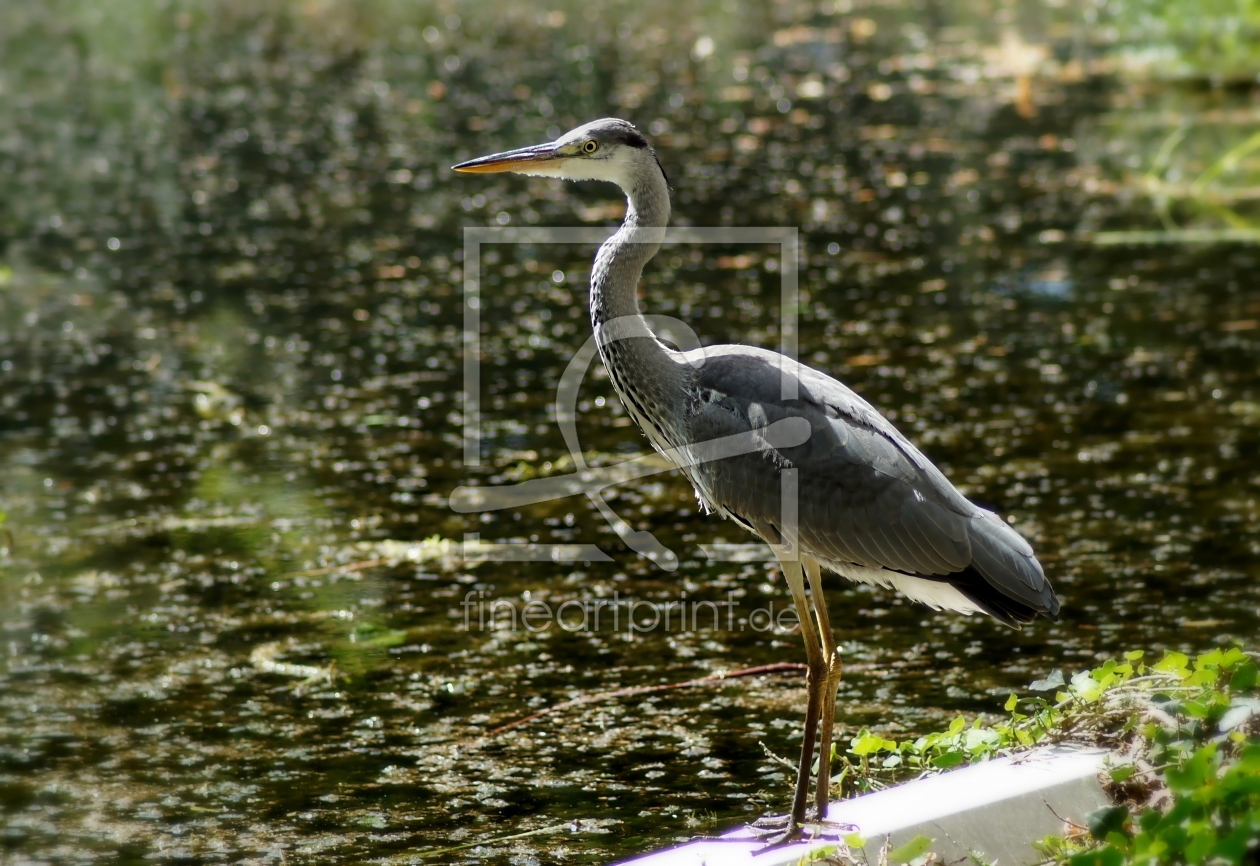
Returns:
(1202, 774)
(1187, 38)
(1185, 771)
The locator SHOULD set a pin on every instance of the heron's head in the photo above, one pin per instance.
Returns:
(608, 149)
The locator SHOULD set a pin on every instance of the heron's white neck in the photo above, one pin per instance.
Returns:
(649, 377)
(619, 262)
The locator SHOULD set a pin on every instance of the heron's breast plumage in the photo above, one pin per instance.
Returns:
(642, 399)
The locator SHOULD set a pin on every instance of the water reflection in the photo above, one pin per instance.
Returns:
(229, 369)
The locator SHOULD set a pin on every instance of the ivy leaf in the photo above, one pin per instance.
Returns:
(1200, 845)
(1195, 709)
(1244, 678)
(916, 847)
(1097, 857)
(869, 744)
(1172, 663)
(1054, 681)
(1120, 774)
(1109, 819)
(820, 855)
(1194, 773)
(977, 740)
(948, 760)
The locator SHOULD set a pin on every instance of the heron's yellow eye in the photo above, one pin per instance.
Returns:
(590, 147)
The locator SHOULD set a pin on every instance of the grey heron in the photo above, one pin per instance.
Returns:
(863, 502)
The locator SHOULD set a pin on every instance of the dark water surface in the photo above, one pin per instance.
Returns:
(230, 307)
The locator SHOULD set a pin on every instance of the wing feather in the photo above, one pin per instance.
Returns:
(867, 495)
(943, 552)
(891, 552)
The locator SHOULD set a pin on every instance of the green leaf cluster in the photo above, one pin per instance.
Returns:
(1208, 767)
(1188, 786)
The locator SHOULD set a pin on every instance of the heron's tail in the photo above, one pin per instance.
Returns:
(1015, 586)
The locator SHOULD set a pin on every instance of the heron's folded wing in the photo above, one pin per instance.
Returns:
(860, 499)
(888, 506)
(866, 494)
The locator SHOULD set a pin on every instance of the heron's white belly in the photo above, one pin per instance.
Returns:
(935, 594)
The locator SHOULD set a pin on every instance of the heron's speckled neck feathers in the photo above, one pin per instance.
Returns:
(651, 379)
(619, 262)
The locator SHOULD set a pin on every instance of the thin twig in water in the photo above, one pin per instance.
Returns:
(772, 756)
(350, 566)
(777, 668)
(540, 831)
(264, 655)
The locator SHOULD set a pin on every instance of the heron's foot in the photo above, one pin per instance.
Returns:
(780, 830)
(771, 822)
(775, 830)
(778, 822)
(787, 835)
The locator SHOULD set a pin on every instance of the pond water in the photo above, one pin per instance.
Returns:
(231, 277)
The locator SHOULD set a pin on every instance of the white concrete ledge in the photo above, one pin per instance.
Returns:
(995, 810)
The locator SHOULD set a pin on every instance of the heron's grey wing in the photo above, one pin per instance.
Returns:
(866, 495)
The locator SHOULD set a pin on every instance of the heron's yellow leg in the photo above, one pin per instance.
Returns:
(831, 679)
(815, 683)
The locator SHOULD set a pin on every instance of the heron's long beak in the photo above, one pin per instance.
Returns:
(512, 160)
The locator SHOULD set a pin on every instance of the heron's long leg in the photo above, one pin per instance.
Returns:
(831, 660)
(815, 683)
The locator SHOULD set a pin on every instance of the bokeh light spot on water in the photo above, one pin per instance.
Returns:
(231, 286)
